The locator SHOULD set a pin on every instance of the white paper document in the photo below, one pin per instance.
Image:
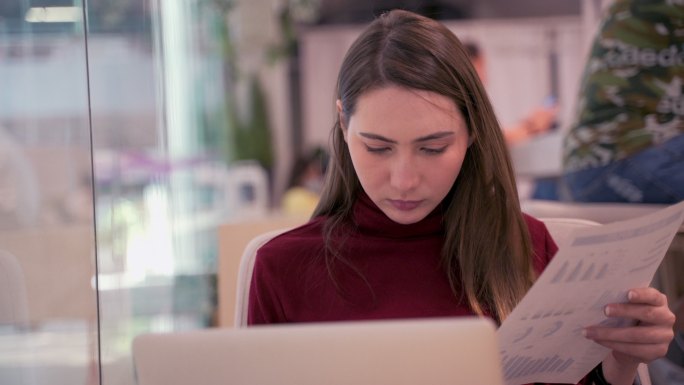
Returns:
(541, 340)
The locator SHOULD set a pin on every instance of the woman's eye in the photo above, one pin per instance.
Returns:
(433, 150)
(377, 150)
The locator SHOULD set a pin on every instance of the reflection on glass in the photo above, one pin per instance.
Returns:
(48, 309)
(130, 123)
(157, 105)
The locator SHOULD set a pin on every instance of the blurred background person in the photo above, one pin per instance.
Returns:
(627, 143)
(538, 121)
(306, 181)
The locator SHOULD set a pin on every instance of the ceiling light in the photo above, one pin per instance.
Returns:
(54, 15)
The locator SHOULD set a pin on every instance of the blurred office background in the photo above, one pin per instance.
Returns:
(141, 140)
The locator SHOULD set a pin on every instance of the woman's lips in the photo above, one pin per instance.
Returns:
(404, 205)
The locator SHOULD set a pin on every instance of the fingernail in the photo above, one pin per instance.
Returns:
(630, 295)
(607, 310)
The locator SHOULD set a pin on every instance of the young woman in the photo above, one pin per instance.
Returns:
(419, 215)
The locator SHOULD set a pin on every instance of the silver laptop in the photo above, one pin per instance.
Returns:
(442, 351)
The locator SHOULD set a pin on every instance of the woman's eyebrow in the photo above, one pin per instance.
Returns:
(381, 138)
(436, 135)
(426, 138)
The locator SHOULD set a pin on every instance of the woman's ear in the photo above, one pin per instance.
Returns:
(340, 117)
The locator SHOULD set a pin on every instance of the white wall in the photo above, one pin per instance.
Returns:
(256, 30)
(516, 53)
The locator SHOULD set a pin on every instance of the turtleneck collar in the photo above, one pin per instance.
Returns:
(372, 221)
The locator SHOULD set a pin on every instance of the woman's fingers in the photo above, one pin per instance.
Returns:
(630, 335)
(647, 295)
(636, 352)
(644, 314)
(679, 316)
(649, 338)
(646, 305)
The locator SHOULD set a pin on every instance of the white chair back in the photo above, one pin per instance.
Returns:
(244, 277)
(560, 228)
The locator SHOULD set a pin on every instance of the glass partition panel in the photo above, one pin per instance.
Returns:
(131, 132)
(159, 151)
(48, 308)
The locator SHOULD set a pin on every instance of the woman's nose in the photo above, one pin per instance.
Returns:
(404, 175)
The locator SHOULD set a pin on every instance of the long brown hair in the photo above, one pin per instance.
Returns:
(487, 251)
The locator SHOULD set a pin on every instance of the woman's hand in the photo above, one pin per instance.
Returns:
(679, 314)
(541, 119)
(645, 341)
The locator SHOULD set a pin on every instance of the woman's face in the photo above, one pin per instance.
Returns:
(407, 147)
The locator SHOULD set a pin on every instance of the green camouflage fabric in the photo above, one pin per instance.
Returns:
(631, 93)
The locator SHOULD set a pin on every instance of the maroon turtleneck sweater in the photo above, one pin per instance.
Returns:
(402, 277)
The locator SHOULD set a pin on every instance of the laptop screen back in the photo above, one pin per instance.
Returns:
(445, 351)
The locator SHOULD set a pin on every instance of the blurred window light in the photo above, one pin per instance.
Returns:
(54, 15)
